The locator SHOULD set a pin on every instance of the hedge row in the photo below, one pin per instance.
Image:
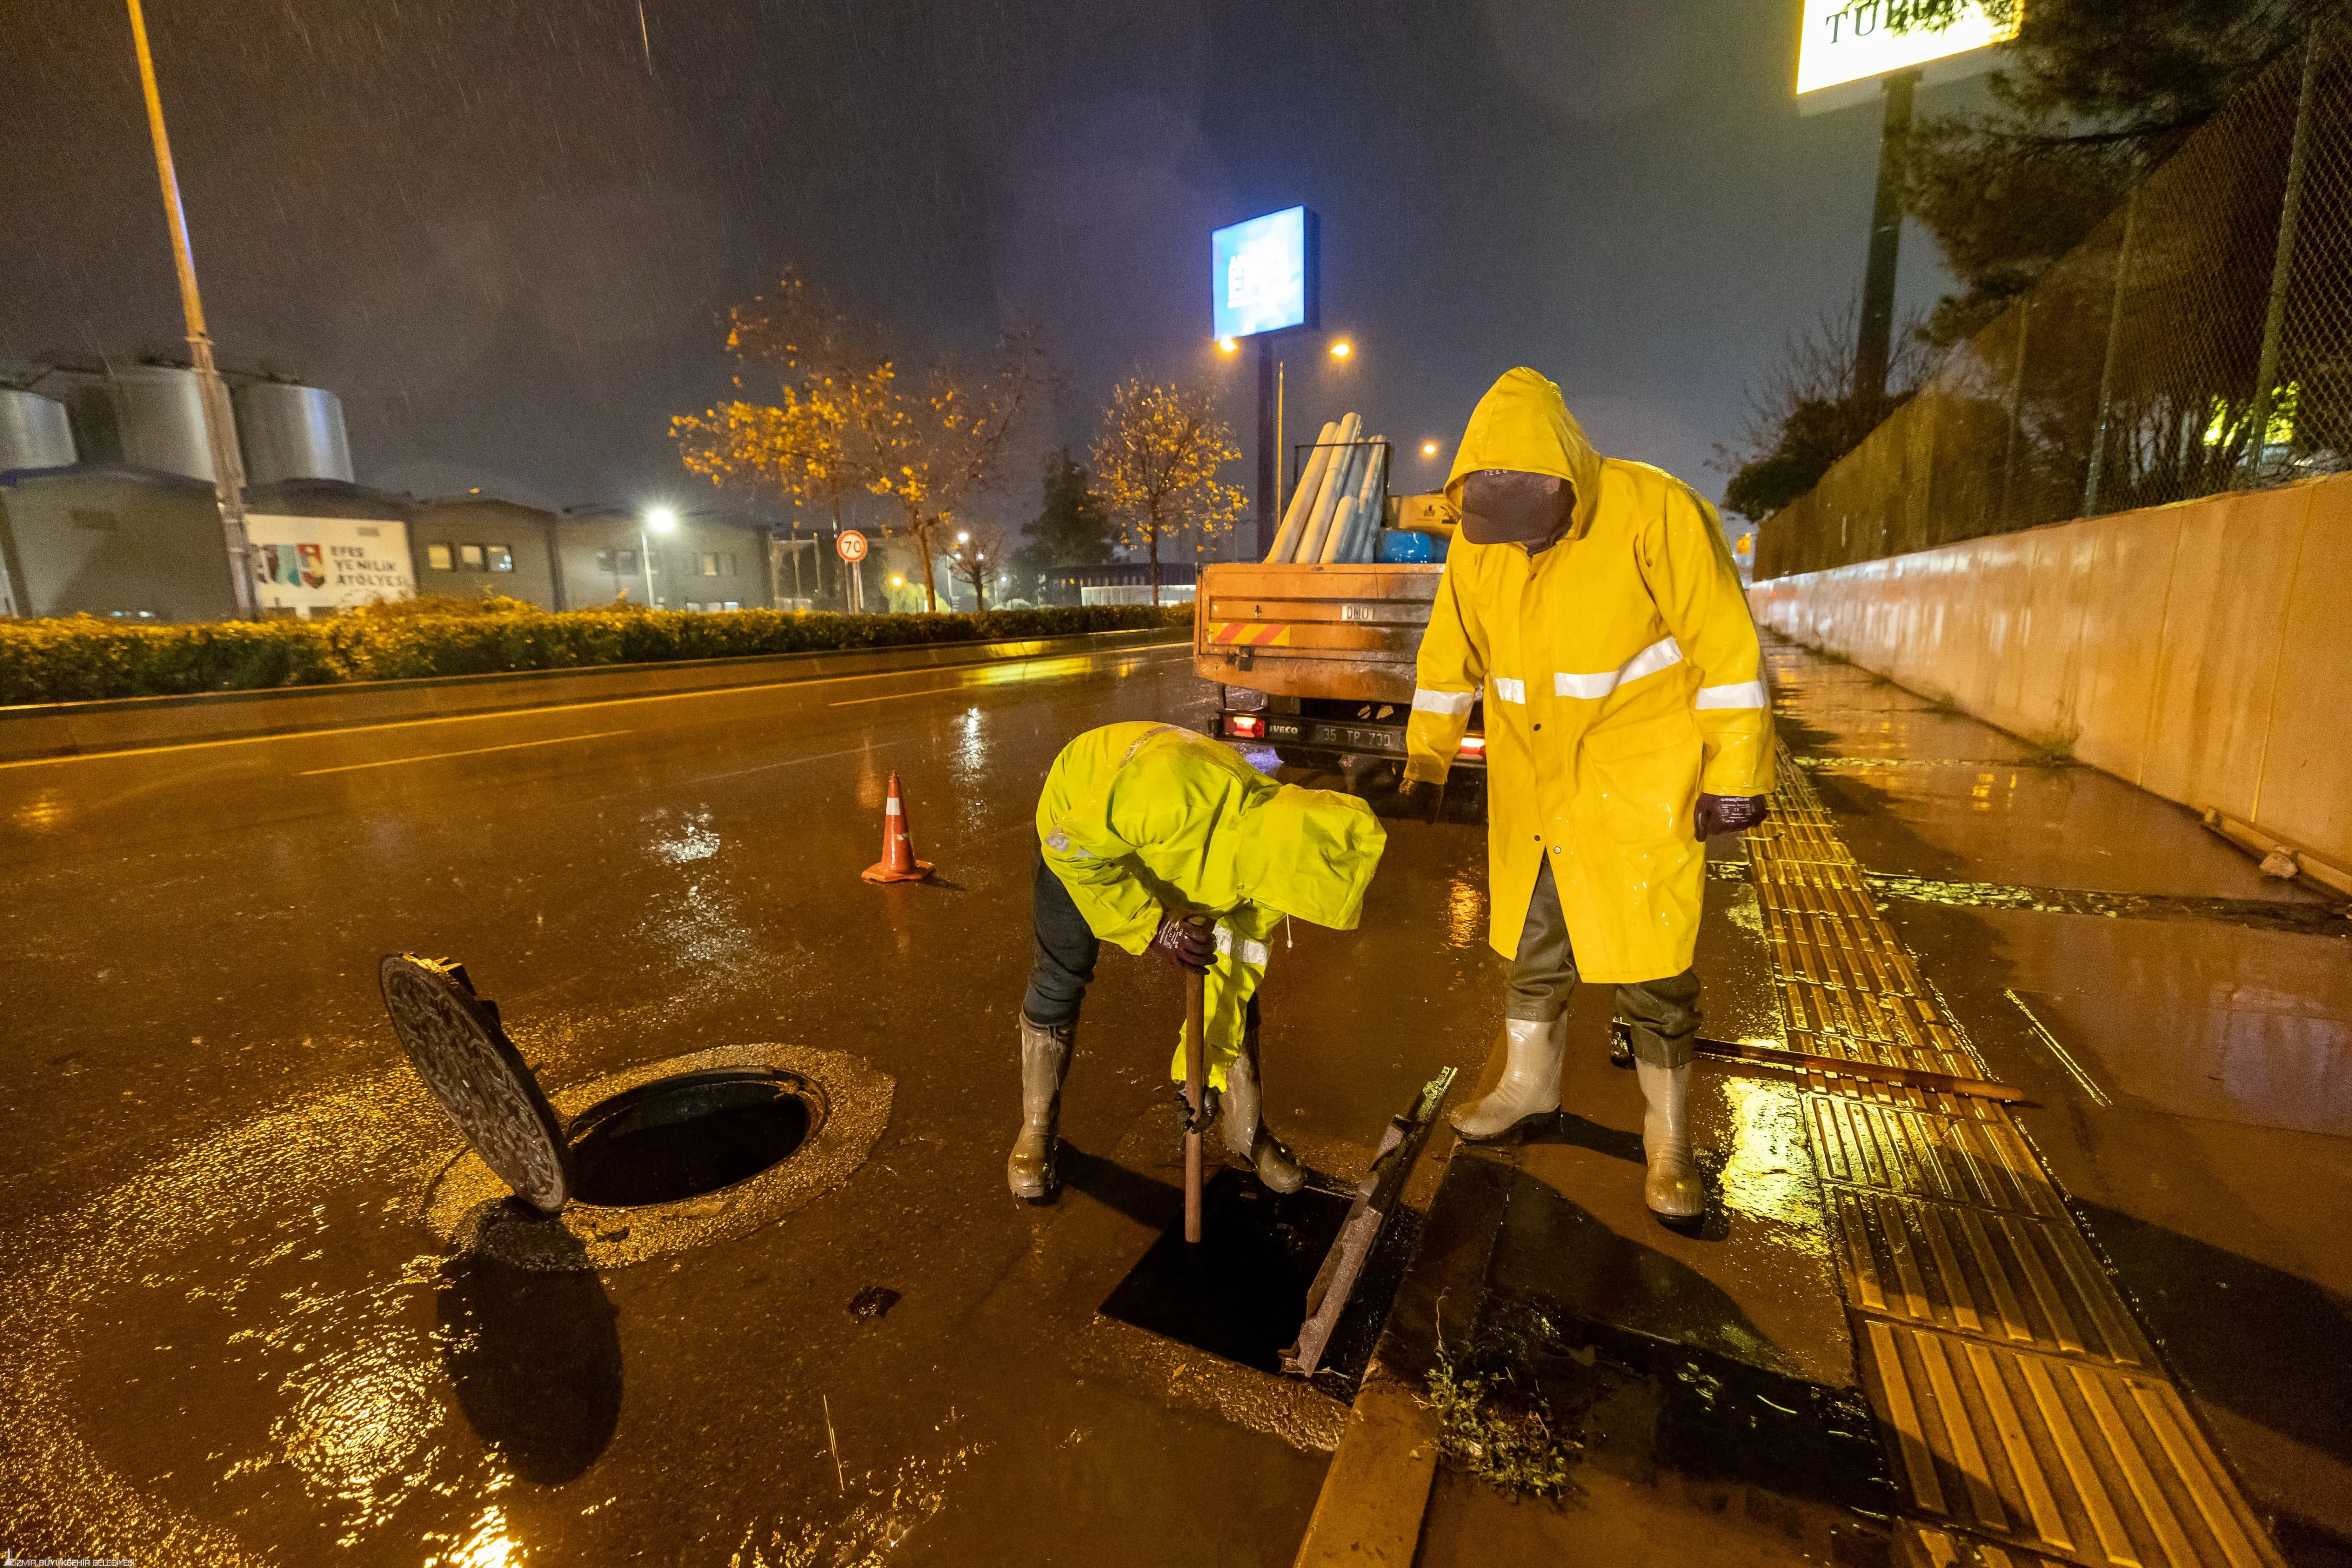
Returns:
(80, 658)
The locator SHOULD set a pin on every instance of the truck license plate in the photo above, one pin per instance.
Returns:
(1360, 739)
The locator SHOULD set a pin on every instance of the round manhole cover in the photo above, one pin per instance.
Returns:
(454, 1040)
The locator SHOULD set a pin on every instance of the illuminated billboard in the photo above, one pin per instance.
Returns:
(1262, 274)
(1855, 41)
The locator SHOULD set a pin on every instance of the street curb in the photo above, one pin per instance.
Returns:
(41, 730)
(1376, 1492)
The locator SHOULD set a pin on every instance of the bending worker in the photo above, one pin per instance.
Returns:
(1594, 602)
(1169, 843)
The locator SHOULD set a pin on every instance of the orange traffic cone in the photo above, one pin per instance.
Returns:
(897, 863)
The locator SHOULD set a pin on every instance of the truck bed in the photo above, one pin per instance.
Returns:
(1344, 633)
(1317, 661)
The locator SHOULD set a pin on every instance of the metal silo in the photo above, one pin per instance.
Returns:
(148, 416)
(34, 431)
(291, 432)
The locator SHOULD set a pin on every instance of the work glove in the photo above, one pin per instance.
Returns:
(1209, 1101)
(1426, 796)
(1728, 814)
(1183, 944)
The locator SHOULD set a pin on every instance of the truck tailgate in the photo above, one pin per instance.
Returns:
(1345, 632)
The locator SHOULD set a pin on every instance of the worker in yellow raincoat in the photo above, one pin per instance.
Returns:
(1139, 826)
(1592, 603)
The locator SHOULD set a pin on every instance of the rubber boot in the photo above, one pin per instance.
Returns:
(1530, 1082)
(1672, 1187)
(1045, 1063)
(1245, 1131)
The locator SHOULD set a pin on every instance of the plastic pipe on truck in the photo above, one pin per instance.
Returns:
(1343, 523)
(1365, 526)
(1302, 500)
(1335, 480)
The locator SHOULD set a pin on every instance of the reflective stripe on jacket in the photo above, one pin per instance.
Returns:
(1621, 677)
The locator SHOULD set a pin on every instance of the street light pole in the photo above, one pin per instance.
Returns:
(220, 429)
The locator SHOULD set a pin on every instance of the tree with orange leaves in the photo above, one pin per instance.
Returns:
(822, 440)
(1156, 465)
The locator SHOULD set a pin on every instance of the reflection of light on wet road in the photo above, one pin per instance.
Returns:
(491, 1546)
(1767, 1173)
(1466, 913)
(364, 1416)
(693, 840)
(41, 813)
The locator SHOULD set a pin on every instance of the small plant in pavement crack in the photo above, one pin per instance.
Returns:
(1502, 1436)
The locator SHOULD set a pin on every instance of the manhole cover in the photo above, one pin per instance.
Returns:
(679, 1137)
(454, 1040)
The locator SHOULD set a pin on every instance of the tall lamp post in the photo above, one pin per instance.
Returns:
(660, 520)
(220, 428)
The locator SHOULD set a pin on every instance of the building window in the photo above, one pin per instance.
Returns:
(734, 605)
(437, 557)
(731, 568)
(694, 606)
(710, 565)
(628, 561)
(469, 556)
(604, 559)
(502, 557)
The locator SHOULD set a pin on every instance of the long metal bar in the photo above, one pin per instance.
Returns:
(2108, 367)
(2282, 261)
(220, 426)
(1195, 1071)
(2016, 413)
(1622, 1037)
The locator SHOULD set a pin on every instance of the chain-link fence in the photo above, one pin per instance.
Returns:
(2200, 340)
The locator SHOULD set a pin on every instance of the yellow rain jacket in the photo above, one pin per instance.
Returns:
(1138, 820)
(1622, 678)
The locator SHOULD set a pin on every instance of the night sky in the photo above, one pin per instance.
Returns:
(503, 237)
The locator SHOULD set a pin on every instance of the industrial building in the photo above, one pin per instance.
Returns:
(107, 508)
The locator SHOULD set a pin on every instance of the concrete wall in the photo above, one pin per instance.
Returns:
(2202, 651)
(116, 542)
(490, 526)
(596, 550)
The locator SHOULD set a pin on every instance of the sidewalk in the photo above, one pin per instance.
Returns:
(2108, 1328)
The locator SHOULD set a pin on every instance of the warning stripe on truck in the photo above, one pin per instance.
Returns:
(1250, 634)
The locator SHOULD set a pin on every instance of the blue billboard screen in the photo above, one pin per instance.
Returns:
(1263, 274)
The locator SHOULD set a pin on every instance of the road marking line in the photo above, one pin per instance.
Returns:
(525, 712)
(471, 751)
(926, 691)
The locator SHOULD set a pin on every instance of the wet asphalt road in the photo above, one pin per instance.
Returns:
(229, 1337)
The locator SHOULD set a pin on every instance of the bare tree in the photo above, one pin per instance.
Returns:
(1810, 409)
(981, 551)
(951, 438)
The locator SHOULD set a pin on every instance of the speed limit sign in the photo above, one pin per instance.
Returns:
(851, 544)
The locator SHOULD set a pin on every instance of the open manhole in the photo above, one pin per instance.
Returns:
(667, 1156)
(679, 1137)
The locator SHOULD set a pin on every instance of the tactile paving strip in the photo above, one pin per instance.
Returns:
(2028, 1419)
